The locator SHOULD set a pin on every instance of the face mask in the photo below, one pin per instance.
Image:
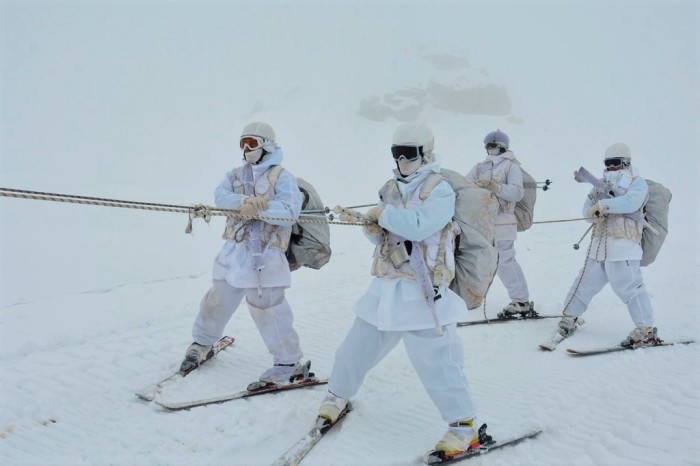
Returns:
(408, 167)
(495, 151)
(253, 156)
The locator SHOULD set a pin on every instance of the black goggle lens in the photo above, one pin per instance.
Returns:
(409, 153)
(616, 162)
(492, 145)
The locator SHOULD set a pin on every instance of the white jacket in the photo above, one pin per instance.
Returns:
(505, 170)
(631, 194)
(398, 304)
(234, 263)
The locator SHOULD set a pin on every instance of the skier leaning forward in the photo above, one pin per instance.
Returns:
(415, 249)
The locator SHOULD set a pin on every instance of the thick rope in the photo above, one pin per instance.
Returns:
(202, 211)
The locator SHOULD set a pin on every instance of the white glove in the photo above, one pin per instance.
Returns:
(258, 203)
(347, 215)
(252, 205)
(373, 214)
(372, 229)
(489, 184)
(597, 212)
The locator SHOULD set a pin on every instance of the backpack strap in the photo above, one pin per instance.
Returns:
(274, 174)
(429, 184)
(440, 265)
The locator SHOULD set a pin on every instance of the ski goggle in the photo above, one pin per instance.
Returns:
(615, 162)
(493, 145)
(409, 153)
(253, 142)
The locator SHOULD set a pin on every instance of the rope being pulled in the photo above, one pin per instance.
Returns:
(352, 218)
(196, 211)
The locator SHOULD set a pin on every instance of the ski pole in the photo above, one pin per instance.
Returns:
(327, 210)
(546, 184)
(576, 246)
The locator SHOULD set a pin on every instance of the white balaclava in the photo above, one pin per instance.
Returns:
(263, 131)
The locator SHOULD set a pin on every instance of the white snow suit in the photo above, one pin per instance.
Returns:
(505, 170)
(395, 309)
(235, 272)
(616, 250)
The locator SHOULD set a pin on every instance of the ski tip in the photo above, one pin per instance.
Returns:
(171, 407)
(145, 396)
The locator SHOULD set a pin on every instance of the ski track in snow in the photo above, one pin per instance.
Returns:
(628, 408)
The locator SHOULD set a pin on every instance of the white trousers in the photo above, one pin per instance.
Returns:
(271, 313)
(625, 279)
(438, 361)
(510, 273)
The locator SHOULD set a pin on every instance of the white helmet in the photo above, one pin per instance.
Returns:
(259, 129)
(619, 151)
(617, 156)
(498, 137)
(415, 134)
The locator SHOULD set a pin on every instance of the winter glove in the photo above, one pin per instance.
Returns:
(489, 184)
(597, 213)
(259, 203)
(373, 214)
(247, 210)
(252, 205)
(347, 215)
(372, 229)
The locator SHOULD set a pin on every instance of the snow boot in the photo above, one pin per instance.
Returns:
(281, 373)
(331, 407)
(525, 309)
(641, 336)
(461, 437)
(194, 356)
(568, 325)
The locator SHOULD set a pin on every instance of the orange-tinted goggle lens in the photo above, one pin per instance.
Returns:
(251, 142)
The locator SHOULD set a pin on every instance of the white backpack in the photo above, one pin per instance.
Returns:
(525, 207)
(310, 244)
(656, 214)
(476, 257)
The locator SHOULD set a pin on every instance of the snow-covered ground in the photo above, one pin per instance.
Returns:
(144, 101)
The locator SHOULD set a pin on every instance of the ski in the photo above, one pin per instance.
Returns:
(613, 349)
(299, 450)
(258, 388)
(552, 343)
(501, 320)
(150, 393)
(434, 457)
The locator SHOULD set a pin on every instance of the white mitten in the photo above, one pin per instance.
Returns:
(489, 184)
(597, 212)
(248, 210)
(258, 203)
(372, 229)
(373, 214)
